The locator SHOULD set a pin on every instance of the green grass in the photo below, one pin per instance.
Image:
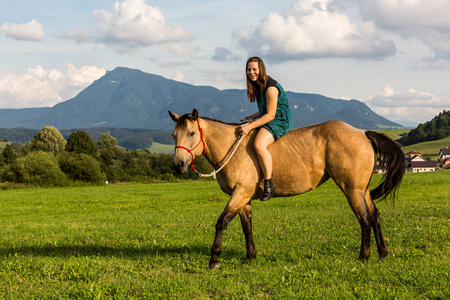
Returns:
(152, 241)
(431, 147)
(393, 134)
(161, 148)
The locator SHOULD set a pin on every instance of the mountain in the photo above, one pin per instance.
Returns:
(13, 117)
(129, 98)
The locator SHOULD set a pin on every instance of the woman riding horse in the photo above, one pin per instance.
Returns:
(274, 116)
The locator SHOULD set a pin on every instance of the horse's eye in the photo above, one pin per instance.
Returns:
(192, 133)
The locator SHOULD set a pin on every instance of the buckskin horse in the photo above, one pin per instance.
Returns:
(303, 159)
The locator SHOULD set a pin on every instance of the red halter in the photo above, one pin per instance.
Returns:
(190, 151)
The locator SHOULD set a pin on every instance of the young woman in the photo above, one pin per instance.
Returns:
(273, 116)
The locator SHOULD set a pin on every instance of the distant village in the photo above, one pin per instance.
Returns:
(415, 163)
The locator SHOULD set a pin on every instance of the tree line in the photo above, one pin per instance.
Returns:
(126, 137)
(49, 160)
(436, 129)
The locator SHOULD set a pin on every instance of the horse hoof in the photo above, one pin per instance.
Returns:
(214, 266)
(383, 254)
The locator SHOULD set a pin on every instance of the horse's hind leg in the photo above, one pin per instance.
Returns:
(246, 221)
(364, 212)
(376, 225)
(368, 217)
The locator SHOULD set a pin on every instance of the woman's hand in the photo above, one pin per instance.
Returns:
(245, 129)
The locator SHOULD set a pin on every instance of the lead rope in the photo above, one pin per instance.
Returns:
(213, 173)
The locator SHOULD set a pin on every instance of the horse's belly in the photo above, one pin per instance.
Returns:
(297, 179)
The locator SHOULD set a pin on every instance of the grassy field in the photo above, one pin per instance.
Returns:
(161, 148)
(3, 144)
(393, 134)
(152, 241)
(431, 147)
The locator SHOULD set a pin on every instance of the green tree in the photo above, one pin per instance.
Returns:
(81, 142)
(106, 141)
(8, 154)
(82, 167)
(48, 139)
(110, 157)
(38, 168)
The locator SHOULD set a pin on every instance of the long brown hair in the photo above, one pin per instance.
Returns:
(255, 89)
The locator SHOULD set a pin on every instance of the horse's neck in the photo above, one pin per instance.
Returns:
(219, 139)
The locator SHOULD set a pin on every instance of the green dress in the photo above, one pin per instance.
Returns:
(282, 122)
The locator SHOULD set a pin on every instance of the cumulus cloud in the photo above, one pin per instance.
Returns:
(173, 63)
(436, 63)
(233, 77)
(427, 20)
(40, 88)
(223, 54)
(406, 14)
(179, 76)
(312, 28)
(410, 105)
(133, 24)
(79, 35)
(180, 50)
(31, 31)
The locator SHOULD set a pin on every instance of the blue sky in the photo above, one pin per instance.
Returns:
(392, 55)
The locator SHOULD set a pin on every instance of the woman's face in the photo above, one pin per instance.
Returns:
(253, 70)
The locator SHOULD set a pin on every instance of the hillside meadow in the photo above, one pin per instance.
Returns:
(430, 147)
(393, 134)
(151, 241)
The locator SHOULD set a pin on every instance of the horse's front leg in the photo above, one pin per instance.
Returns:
(234, 206)
(246, 221)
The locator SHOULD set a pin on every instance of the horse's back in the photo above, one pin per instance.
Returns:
(307, 156)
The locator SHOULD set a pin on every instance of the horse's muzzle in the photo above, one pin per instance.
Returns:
(180, 166)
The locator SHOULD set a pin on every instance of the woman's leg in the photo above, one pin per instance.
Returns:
(263, 139)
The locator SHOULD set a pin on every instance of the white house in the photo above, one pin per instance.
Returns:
(422, 166)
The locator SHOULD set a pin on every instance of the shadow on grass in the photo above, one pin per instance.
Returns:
(111, 251)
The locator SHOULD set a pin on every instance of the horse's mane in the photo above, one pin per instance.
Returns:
(220, 121)
(181, 123)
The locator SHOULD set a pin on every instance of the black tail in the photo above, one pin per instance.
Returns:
(393, 161)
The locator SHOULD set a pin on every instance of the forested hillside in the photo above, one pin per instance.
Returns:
(436, 129)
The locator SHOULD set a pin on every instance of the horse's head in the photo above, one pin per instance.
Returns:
(188, 140)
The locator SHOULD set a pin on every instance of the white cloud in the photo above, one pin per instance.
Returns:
(313, 29)
(436, 63)
(233, 77)
(407, 14)
(426, 19)
(412, 105)
(31, 31)
(180, 50)
(173, 63)
(79, 35)
(39, 87)
(134, 25)
(179, 76)
(223, 54)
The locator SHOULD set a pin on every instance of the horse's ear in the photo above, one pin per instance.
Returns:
(194, 114)
(174, 117)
